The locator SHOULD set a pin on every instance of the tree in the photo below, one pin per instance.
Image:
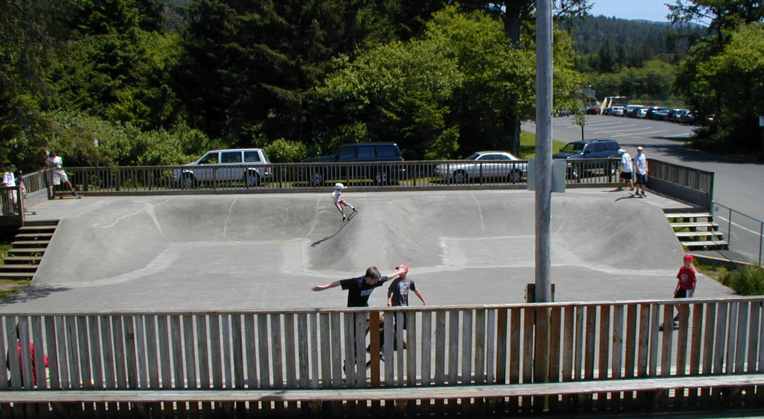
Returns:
(517, 15)
(254, 63)
(444, 94)
(729, 87)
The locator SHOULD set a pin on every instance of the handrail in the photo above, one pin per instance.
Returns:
(298, 310)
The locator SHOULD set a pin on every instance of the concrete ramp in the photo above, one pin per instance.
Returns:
(265, 251)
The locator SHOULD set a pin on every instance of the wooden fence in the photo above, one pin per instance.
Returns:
(682, 182)
(414, 347)
(11, 206)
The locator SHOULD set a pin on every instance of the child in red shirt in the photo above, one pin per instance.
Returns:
(685, 285)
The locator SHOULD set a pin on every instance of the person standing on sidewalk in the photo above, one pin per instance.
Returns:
(641, 169)
(627, 170)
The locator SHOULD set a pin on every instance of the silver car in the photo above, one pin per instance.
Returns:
(249, 165)
(484, 165)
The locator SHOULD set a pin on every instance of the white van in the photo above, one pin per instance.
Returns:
(250, 165)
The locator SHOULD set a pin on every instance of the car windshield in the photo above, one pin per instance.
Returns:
(473, 156)
(573, 148)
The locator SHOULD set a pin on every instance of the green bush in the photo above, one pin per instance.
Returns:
(285, 151)
(746, 281)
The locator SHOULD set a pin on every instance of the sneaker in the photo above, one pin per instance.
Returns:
(344, 218)
(355, 210)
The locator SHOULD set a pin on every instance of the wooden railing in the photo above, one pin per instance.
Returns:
(408, 175)
(11, 206)
(427, 346)
(685, 183)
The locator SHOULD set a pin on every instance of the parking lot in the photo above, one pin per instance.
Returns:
(738, 181)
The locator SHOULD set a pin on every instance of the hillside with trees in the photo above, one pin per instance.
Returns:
(107, 82)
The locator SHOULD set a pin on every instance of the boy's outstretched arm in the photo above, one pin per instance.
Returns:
(326, 286)
(421, 297)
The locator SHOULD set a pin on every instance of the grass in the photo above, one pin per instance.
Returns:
(528, 145)
(8, 287)
(744, 281)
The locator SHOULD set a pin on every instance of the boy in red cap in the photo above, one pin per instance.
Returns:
(398, 292)
(685, 285)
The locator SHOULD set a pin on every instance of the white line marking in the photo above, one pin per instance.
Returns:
(228, 218)
(480, 211)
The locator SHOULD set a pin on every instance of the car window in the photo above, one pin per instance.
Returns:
(573, 148)
(230, 157)
(387, 152)
(252, 157)
(494, 157)
(473, 156)
(209, 158)
(347, 153)
(612, 146)
(365, 153)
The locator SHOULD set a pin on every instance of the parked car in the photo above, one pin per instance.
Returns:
(678, 115)
(658, 114)
(641, 113)
(484, 165)
(632, 110)
(362, 153)
(617, 111)
(589, 149)
(687, 118)
(250, 165)
(593, 110)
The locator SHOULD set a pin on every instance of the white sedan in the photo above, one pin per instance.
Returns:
(484, 165)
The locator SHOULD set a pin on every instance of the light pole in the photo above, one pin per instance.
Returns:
(543, 165)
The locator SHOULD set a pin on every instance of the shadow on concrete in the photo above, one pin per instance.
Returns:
(333, 235)
(632, 196)
(31, 293)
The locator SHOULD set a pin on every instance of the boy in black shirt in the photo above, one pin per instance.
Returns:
(360, 289)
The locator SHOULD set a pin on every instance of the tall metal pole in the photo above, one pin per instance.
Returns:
(543, 148)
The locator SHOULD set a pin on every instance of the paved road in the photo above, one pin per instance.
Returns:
(265, 251)
(738, 185)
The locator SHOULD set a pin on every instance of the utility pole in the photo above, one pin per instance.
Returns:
(543, 165)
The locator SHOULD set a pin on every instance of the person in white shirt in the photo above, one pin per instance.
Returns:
(641, 169)
(339, 202)
(56, 164)
(627, 169)
(9, 181)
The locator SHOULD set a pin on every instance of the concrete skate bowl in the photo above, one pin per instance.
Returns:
(251, 251)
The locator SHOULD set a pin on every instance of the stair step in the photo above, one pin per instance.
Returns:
(16, 275)
(30, 260)
(34, 236)
(37, 223)
(37, 228)
(31, 243)
(14, 268)
(15, 252)
(710, 243)
(698, 234)
(689, 215)
(697, 224)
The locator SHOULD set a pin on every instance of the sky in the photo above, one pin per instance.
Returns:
(634, 9)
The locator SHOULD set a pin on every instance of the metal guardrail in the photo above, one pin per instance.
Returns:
(744, 234)
(685, 183)
(408, 175)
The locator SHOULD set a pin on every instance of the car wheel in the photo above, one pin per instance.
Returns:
(252, 179)
(515, 176)
(460, 176)
(316, 180)
(380, 178)
(188, 181)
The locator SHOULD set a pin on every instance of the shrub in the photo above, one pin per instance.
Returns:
(285, 151)
(746, 281)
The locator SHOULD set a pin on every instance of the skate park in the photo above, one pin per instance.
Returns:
(266, 251)
(150, 296)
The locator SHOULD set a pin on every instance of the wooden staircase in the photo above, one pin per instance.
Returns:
(697, 230)
(27, 250)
